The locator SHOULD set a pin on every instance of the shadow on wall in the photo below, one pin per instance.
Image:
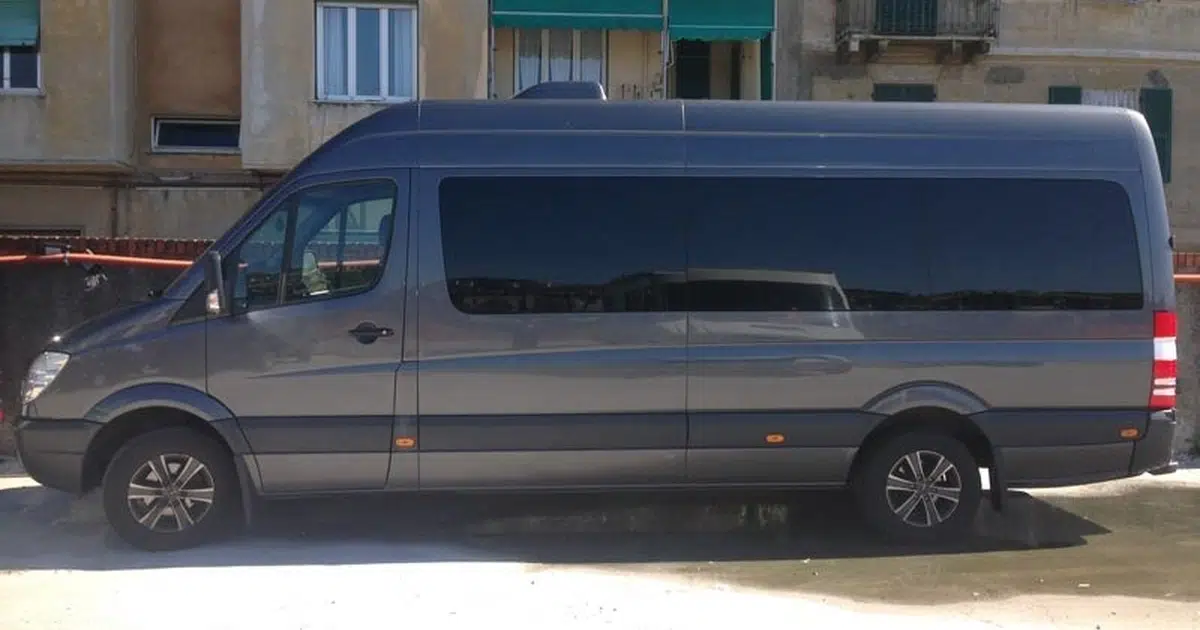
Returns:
(39, 301)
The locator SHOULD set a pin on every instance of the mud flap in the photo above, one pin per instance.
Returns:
(996, 482)
(1167, 469)
(248, 494)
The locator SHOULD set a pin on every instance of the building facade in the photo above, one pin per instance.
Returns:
(170, 117)
(120, 117)
(1133, 53)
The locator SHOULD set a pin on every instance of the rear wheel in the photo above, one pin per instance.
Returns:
(171, 489)
(919, 487)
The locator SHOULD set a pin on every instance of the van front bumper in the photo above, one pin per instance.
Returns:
(52, 451)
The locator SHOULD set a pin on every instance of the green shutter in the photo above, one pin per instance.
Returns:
(644, 15)
(906, 17)
(1065, 95)
(19, 20)
(904, 92)
(1157, 105)
(721, 20)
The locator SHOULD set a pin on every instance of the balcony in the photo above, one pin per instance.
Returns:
(955, 29)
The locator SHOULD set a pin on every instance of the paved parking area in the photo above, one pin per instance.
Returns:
(1120, 555)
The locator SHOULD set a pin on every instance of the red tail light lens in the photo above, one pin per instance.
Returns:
(1162, 392)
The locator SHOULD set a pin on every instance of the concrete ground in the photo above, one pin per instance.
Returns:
(1117, 555)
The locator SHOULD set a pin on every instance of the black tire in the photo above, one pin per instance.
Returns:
(879, 505)
(137, 461)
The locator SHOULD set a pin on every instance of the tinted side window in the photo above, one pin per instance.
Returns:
(806, 244)
(562, 244)
(1005, 244)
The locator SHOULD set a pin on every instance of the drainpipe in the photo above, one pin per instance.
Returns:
(774, 60)
(491, 44)
(666, 45)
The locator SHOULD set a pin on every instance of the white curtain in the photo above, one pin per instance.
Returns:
(529, 58)
(561, 45)
(591, 56)
(1128, 99)
(333, 51)
(402, 66)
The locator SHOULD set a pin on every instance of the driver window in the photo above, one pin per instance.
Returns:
(336, 236)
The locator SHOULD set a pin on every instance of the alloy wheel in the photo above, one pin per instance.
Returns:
(170, 493)
(923, 488)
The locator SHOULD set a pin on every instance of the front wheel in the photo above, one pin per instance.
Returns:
(171, 489)
(919, 487)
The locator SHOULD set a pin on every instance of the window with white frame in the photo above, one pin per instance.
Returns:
(558, 55)
(366, 51)
(195, 135)
(20, 68)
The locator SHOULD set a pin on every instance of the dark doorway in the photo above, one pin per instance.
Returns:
(693, 60)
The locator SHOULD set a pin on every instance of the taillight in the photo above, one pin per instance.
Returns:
(1162, 393)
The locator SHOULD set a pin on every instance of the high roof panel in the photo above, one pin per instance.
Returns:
(537, 132)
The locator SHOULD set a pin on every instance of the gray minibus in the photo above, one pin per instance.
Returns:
(589, 295)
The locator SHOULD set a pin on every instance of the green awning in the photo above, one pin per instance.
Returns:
(636, 15)
(714, 20)
(19, 22)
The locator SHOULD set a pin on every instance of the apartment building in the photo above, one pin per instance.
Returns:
(121, 117)
(170, 117)
(1140, 54)
(302, 82)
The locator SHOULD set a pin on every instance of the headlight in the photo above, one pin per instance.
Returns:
(42, 372)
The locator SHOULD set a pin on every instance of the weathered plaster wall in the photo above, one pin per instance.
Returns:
(82, 112)
(281, 120)
(1096, 44)
(189, 64)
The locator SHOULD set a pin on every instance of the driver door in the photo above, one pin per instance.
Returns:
(307, 360)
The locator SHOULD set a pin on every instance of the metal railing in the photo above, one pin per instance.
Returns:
(917, 19)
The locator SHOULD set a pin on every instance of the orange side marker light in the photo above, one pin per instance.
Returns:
(774, 438)
(405, 442)
(1130, 434)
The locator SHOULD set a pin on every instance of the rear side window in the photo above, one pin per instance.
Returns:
(562, 245)
(806, 244)
(780, 244)
(1012, 244)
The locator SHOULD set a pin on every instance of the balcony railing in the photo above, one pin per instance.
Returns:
(955, 20)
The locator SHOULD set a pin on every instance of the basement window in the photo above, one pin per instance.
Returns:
(196, 135)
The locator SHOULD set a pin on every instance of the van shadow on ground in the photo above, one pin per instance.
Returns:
(43, 529)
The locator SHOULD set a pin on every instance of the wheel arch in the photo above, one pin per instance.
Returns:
(142, 408)
(928, 418)
(926, 395)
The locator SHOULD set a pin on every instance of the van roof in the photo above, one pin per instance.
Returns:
(676, 133)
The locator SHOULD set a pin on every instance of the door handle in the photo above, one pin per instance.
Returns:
(368, 332)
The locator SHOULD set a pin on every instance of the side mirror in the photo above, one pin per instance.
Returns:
(215, 300)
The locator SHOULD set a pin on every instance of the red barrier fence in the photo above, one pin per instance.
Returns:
(179, 253)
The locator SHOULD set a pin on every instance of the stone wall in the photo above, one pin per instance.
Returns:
(37, 301)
